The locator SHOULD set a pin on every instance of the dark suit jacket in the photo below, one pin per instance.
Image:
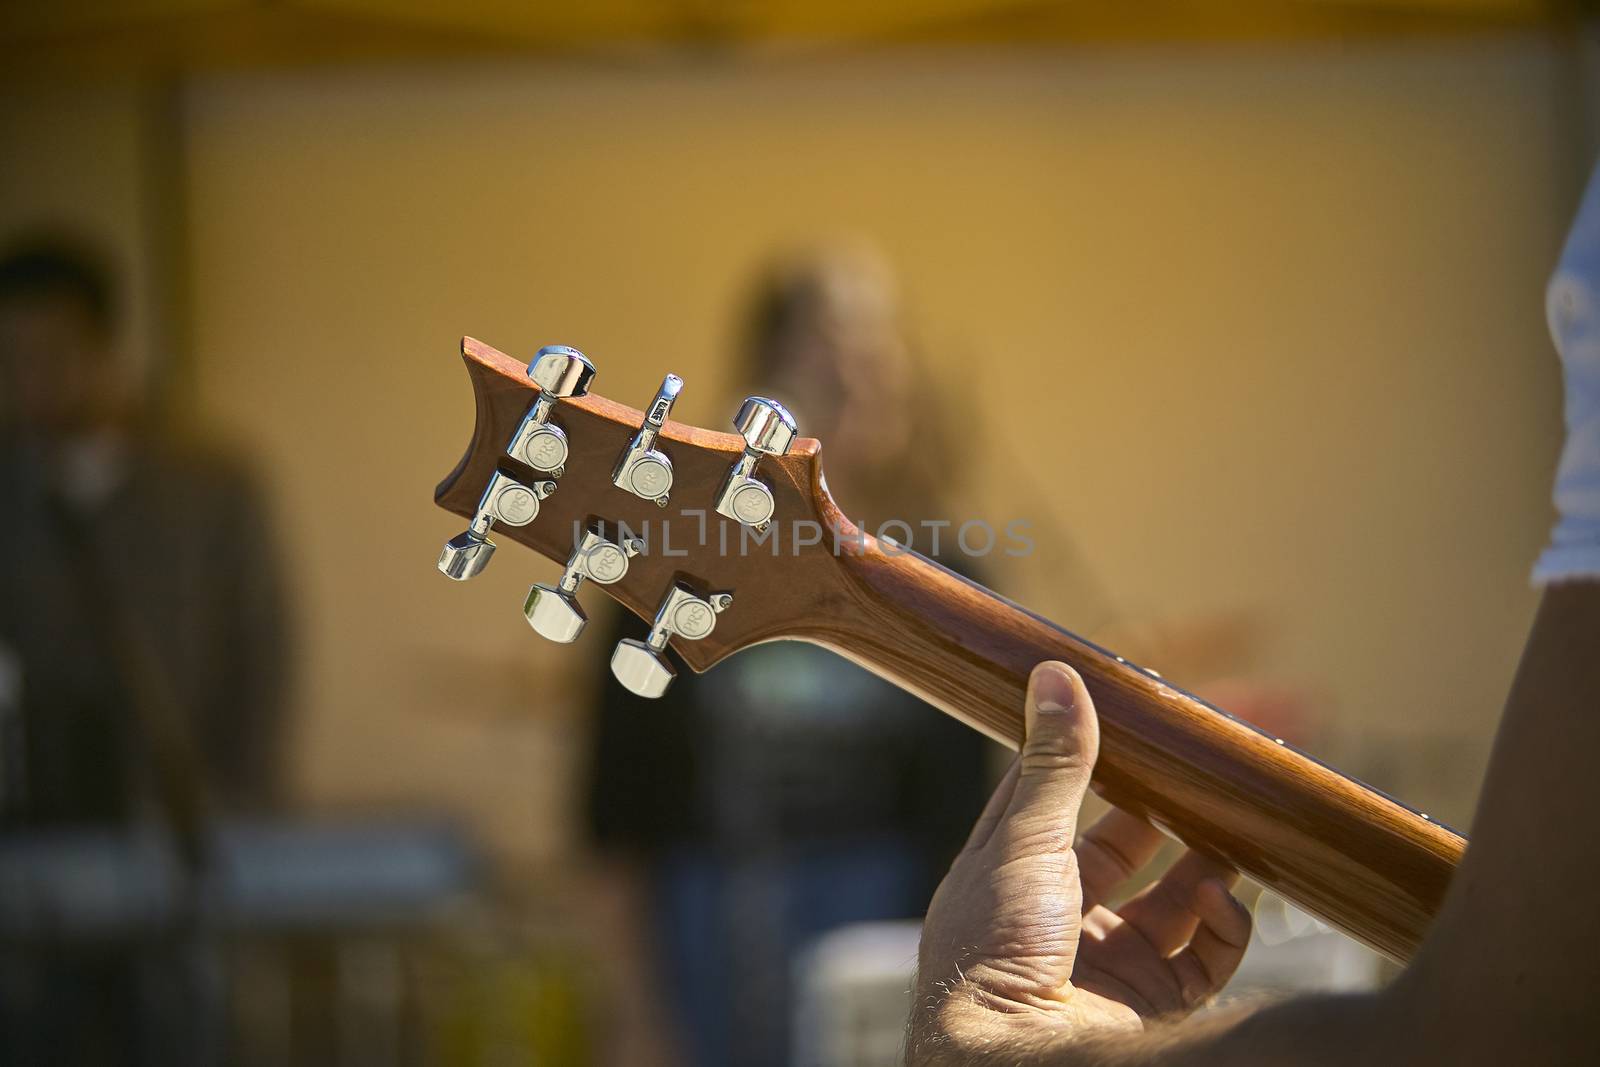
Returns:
(176, 563)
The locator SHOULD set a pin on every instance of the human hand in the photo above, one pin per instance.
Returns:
(1019, 948)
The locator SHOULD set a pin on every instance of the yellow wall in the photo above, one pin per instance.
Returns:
(79, 157)
(1265, 323)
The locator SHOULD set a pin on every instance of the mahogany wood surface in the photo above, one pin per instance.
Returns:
(1346, 853)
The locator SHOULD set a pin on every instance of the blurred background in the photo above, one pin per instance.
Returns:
(1240, 306)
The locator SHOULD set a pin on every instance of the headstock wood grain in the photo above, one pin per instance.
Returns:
(1346, 853)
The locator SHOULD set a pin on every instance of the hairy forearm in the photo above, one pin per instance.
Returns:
(1308, 1030)
(1020, 1042)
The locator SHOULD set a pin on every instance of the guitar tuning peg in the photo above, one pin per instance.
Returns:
(642, 470)
(553, 611)
(642, 666)
(506, 501)
(559, 372)
(768, 430)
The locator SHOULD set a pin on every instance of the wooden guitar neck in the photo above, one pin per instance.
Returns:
(1346, 853)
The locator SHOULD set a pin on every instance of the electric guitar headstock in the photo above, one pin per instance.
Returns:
(720, 540)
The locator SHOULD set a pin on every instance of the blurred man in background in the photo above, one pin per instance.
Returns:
(141, 642)
(789, 791)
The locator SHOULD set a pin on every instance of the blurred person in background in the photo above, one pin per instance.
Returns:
(142, 644)
(789, 791)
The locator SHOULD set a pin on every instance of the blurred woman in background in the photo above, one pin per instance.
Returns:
(788, 791)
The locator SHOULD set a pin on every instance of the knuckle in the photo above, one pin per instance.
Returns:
(1038, 833)
(1053, 759)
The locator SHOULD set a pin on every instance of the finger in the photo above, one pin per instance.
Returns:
(1166, 912)
(1053, 771)
(983, 829)
(1205, 966)
(1118, 950)
(1111, 850)
(1111, 987)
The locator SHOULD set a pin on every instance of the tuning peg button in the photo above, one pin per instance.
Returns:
(644, 470)
(553, 610)
(465, 555)
(506, 501)
(768, 430)
(559, 372)
(642, 669)
(642, 666)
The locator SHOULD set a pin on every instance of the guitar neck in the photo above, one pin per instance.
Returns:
(1343, 851)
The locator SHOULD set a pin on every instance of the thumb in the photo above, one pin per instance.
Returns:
(1063, 738)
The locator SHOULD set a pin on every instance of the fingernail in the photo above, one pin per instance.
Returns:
(1218, 888)
(1052, 689)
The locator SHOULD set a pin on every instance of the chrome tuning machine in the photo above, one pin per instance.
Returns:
(559, 372)
(768, 430)
(553, 610)
(643, 470)
(505, 501)
(641, 666)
